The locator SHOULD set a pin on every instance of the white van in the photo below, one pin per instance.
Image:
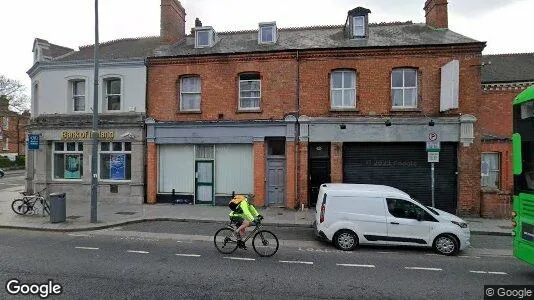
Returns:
(352, 214)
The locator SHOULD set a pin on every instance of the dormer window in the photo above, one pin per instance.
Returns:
(204, 37)
(358, 26)
(267, 33)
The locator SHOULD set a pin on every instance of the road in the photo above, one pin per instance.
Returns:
(12, 179)
(155, 260)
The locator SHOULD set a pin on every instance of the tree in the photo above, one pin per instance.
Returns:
(15, 92)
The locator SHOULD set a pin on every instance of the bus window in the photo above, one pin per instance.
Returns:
(527, 110)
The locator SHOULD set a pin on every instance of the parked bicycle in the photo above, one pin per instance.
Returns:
(31, 204)
(264, 242)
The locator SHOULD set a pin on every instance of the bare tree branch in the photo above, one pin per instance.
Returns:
(15, 92)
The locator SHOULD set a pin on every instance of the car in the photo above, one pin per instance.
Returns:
(351, 214)
(2, 173)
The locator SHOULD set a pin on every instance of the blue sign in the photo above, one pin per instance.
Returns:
(33, 142)
(117, 166)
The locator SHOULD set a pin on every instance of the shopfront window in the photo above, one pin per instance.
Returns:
(68, 160)
(116, 160)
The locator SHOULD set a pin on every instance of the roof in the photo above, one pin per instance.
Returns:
(322, 37)
(53, 49)
(362, 187)
(500, 68)
(122, 48)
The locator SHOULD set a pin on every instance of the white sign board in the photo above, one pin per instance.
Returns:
(450, 83)
(433, 157)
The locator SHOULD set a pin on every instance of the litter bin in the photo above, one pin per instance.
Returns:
(58, 207)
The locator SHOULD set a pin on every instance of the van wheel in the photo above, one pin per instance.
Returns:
(346, 240)
(446, 244)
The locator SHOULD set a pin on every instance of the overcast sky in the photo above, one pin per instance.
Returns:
(506, 26)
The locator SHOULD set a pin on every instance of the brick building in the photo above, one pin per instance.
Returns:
(504, 76)
(278, 111)
(12, 142)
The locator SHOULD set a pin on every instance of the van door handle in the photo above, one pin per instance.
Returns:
(396, 223)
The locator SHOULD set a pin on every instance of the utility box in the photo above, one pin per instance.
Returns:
(58, 207)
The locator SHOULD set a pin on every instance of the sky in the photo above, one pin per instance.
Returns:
(505, 25)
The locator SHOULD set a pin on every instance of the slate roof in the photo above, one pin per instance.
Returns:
(53, 49)
(503, 68)
(322, 37)
(117, 49)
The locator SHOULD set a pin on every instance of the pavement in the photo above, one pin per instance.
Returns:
(116, 214)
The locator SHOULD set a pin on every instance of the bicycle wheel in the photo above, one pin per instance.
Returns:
(265, 243)
(225, 240)
(19, 206)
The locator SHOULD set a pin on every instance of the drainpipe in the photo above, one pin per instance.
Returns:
(297, 134)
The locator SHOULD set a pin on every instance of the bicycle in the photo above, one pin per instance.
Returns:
(225, 239)
(28, 204)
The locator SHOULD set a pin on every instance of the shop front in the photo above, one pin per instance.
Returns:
(62, 160)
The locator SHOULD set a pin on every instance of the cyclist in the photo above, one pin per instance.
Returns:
(243, 214)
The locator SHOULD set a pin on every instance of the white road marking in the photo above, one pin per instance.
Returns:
(484, 272)
(296, 262)
(188, 255)
(136, 251)
(240, 258)
(353, 265)
(86, 248)
(187, 242)
(421, 268)
(387, 252)
(78, 234)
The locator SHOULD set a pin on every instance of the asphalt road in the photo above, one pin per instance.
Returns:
(116, 264)
(284, 233)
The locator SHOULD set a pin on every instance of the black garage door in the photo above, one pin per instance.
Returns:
(404, 166)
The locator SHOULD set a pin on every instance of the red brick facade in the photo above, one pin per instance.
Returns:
(497, 132)
(14, 127)
(309, 70)
(152, 172)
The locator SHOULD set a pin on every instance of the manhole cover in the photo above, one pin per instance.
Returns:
(126, 213)
(73, 217)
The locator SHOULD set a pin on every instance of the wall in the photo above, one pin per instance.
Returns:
(53, 82)
(219, 88)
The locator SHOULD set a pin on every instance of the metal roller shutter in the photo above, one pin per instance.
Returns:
(404, 166)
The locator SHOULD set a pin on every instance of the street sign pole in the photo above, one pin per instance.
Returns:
(432, 148)
(432, 175)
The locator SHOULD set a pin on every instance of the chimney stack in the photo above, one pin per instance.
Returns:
(436, 13)
(198, 23)
(172, 27)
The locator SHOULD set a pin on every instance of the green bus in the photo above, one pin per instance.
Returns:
(523, 169)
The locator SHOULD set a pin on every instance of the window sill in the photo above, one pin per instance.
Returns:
(244, 111)
(352, 109)
(112, 181)
(407, 109)
(185, 112)
(60, 180)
